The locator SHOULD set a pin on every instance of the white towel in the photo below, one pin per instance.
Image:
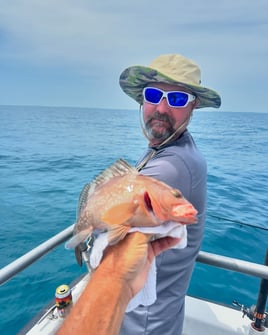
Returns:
(147, 295)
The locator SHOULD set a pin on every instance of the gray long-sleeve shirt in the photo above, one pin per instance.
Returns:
(181, 165)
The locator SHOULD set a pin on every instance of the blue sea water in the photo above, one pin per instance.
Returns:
(47, 154)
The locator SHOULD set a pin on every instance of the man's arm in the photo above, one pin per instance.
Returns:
(122, 273)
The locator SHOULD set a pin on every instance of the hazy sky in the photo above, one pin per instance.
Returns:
(71, 52)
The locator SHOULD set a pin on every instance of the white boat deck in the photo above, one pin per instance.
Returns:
(203, 317)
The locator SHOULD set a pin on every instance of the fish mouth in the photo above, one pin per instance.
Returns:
(186, 213)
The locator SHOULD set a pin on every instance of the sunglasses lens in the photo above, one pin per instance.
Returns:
(152, 95)
(177, 99)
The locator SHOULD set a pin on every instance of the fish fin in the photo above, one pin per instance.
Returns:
(78, 238)
(117, 169)
(86, 192)
(119, 214)
(78, 255)
(117, 233)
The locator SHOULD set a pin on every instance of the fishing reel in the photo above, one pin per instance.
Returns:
(250, 312)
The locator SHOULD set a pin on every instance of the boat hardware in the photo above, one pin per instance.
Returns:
(229, 263)
(257, 312)
(85, 248)
(260, 314)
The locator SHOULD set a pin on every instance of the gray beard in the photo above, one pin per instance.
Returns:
(160, 135)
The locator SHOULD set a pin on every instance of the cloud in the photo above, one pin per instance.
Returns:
(77, 31)
(100, 38)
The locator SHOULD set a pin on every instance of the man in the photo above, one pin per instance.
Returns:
(168, 92)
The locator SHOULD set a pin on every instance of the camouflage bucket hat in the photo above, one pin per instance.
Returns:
(169, 69)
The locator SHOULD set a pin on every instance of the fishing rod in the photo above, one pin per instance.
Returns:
(237, 222)
(260, 313)
(257, 313)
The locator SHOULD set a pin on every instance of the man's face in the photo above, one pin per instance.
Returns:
(161, 120)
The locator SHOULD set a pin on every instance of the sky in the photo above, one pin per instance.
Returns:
(71, 52)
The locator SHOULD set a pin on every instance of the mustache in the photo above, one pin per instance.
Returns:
(161, 117)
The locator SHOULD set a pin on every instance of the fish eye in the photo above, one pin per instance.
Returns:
(176, 193)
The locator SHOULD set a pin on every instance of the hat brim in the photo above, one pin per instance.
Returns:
(133, 80)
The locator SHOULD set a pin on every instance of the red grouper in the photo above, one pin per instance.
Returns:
(121, 198)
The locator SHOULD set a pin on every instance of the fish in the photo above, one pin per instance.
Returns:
(121, 198)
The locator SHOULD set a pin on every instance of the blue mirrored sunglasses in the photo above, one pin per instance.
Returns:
(175, 99)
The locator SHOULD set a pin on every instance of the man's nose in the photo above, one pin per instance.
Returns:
(163, 106)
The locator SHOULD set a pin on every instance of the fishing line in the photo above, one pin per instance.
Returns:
(237, 222)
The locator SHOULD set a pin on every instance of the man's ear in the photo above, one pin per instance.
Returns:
(196, 103)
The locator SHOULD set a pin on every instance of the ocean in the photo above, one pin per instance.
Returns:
(47, 154)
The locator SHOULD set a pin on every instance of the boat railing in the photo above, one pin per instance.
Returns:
(228, 263)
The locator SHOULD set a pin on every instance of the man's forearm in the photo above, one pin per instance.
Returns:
(100, 309)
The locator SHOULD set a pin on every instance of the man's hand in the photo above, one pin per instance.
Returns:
(131, 258)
